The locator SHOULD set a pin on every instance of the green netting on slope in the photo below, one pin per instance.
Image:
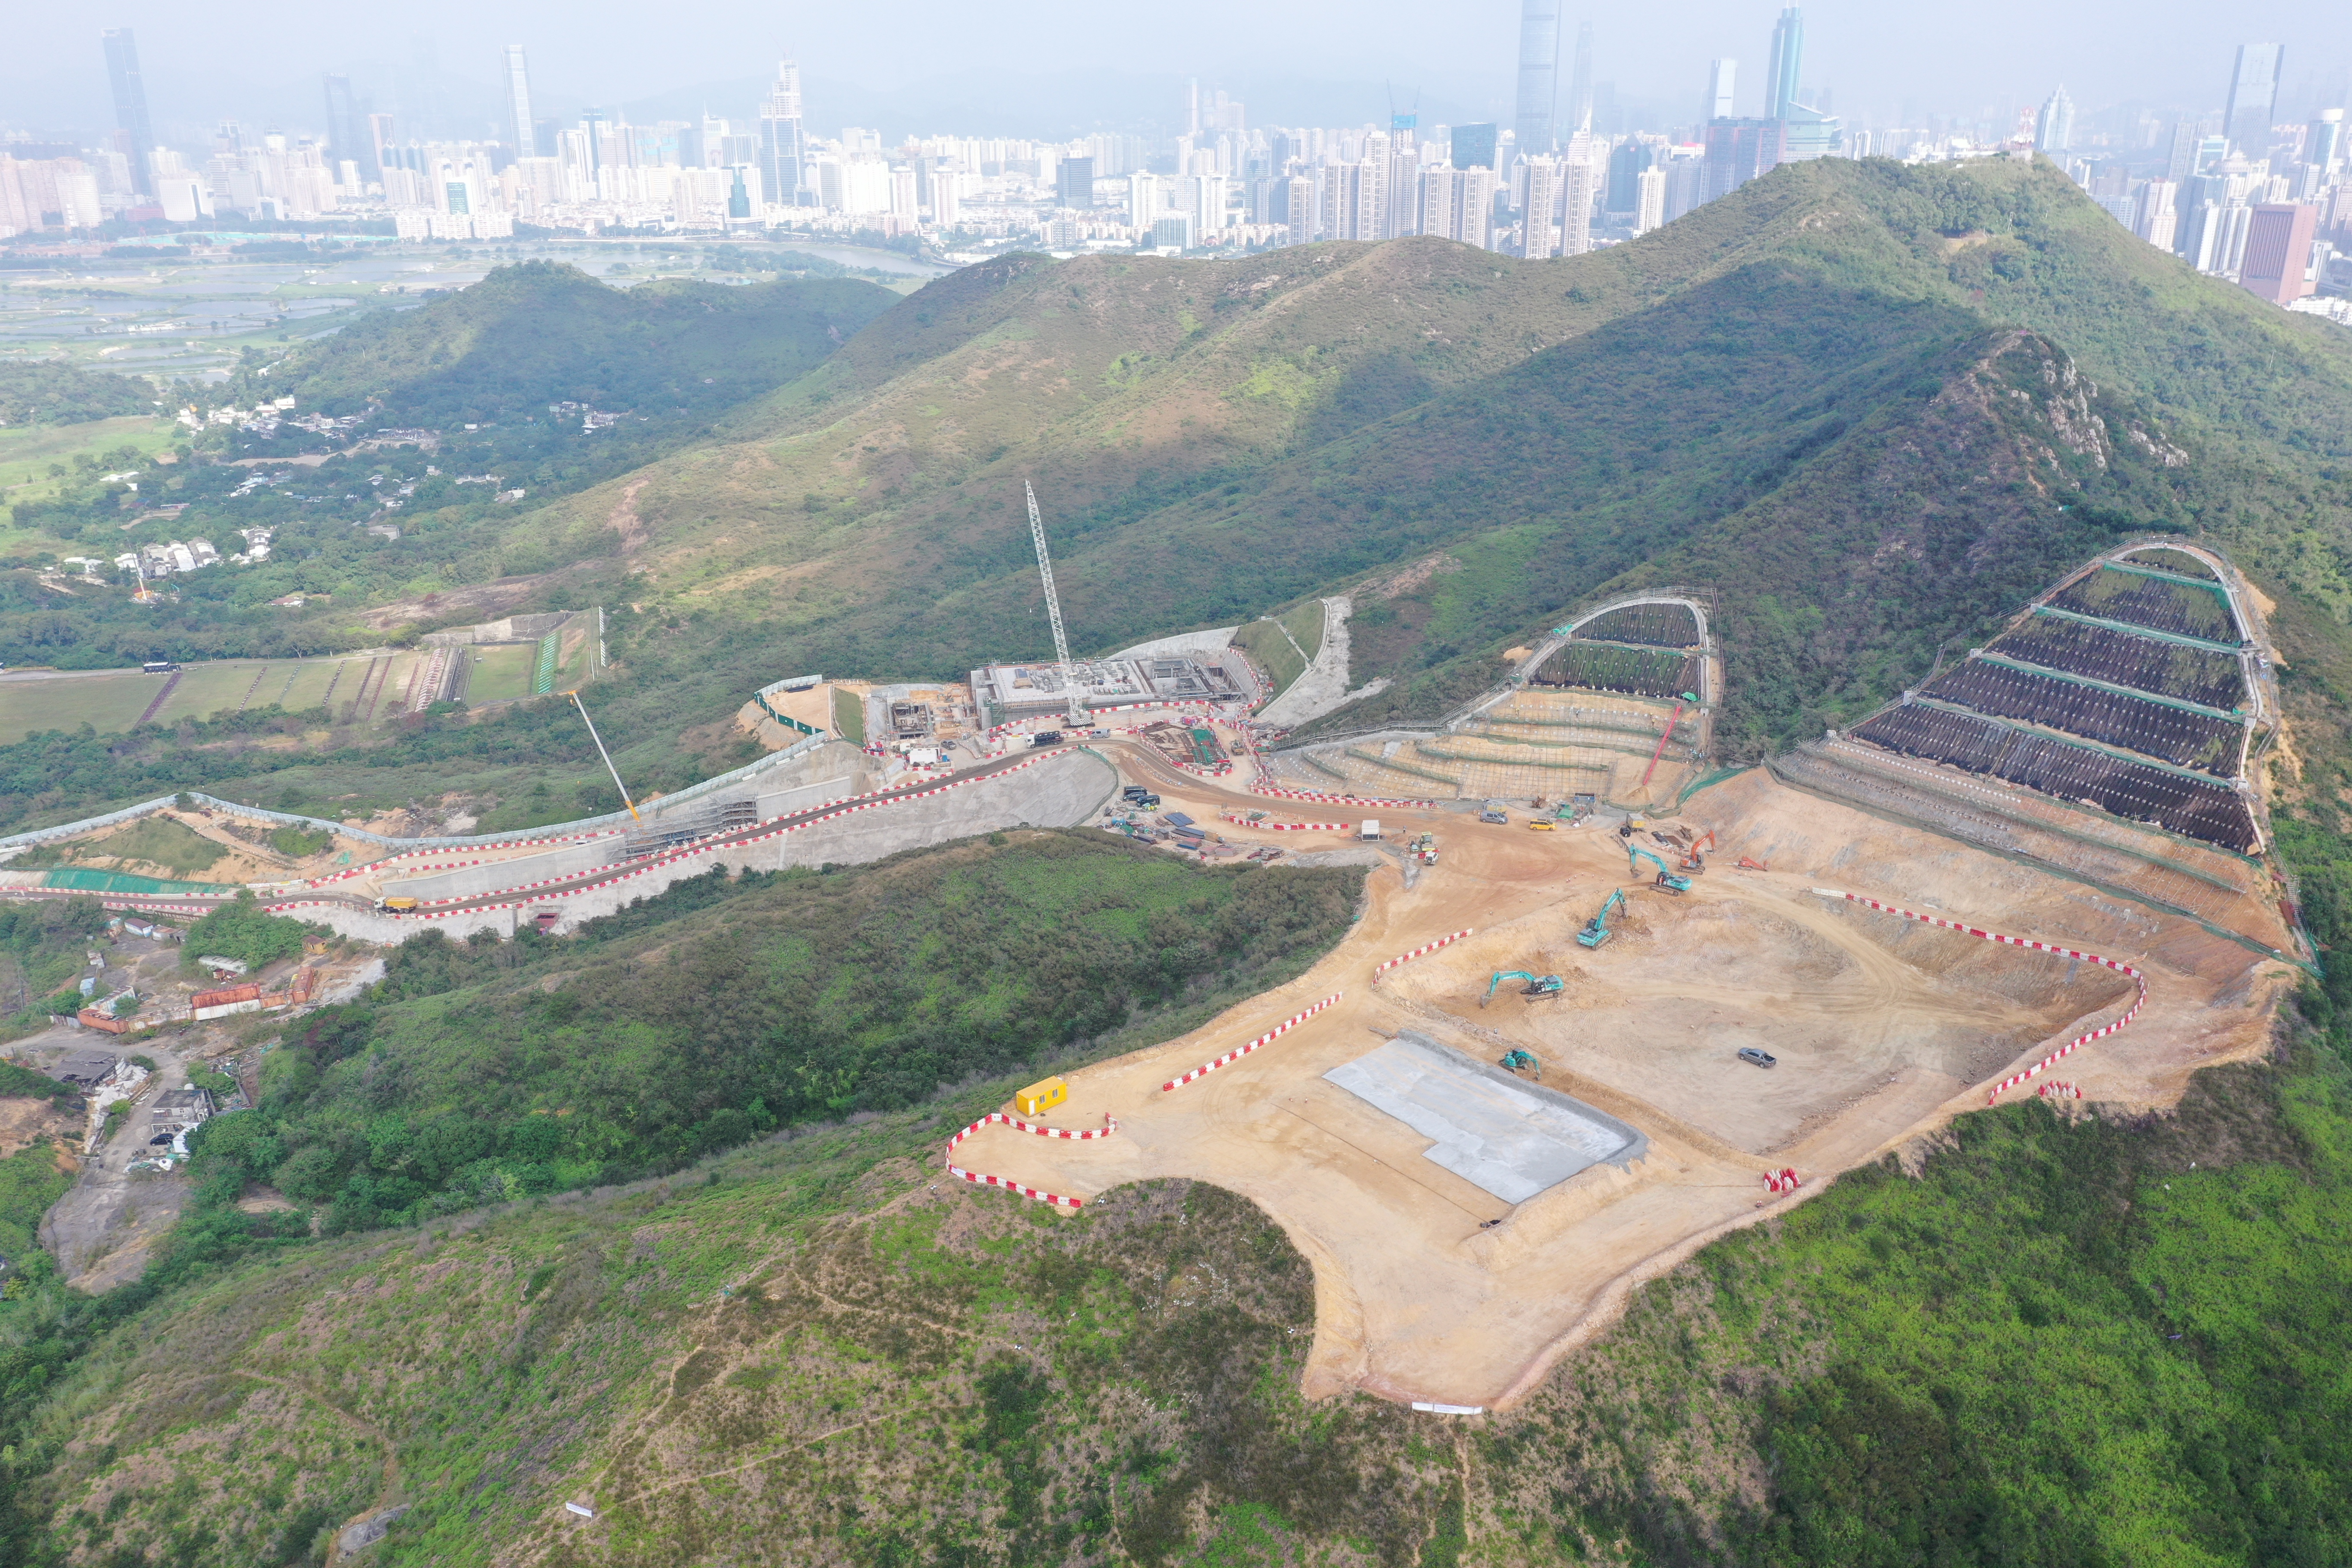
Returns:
(88, 880)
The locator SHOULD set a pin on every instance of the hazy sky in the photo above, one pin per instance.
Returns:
(1044, 65)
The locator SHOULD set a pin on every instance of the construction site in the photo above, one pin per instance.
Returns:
(1566, 1043)
(1617, 705)
(1550, 1064)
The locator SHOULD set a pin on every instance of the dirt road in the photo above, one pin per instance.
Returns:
(101, 1231)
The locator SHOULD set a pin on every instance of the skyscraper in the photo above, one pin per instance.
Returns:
(1473, 147)
(1785, 75)
(2253, 98)
(1649, 200)
(2054, 129)
(130, 106)
(1721, 76)
(523, 133)
(782, 151)
(345, 138)
(1073, 184)
(2278, 251)
(1538, 74)
(1579, 82)
(2322, 139)
(1538, 235)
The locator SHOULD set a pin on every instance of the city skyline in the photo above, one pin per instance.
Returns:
(451, 68)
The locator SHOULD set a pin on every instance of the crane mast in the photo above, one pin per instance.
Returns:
(1078, 707)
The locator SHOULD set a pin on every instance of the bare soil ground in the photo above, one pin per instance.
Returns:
(1884, 1030)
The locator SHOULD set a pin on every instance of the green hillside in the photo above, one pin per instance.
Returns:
(1795, 361)
(541, 333)
(57, 392)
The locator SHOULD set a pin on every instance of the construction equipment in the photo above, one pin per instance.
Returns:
(1747, 865)
(1693, 861)
(1522, 1061)
(1424, 849)
(1596, 930)
(1666, 881)
(1538, 984)
(1664, 736)
(1078, 702)
(395, 904)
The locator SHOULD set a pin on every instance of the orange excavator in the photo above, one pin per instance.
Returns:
(1693, 861)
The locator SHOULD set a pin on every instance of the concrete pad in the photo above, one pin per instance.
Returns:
(1492, 1129)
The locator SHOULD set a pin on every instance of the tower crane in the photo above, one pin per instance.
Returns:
(1078, 705)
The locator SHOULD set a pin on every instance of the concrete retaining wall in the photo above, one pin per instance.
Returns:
(802, 797)
(1064, 791)
(471, 882)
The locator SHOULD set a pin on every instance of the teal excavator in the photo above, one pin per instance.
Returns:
(1596, 930)
(1666, 881)
(1538, 984)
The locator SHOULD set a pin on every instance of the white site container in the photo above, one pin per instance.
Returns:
(1368, 828)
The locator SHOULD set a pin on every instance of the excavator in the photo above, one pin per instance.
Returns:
(1596, 930)
(1666, 881)
(1522, 1061)
(1693, 861)
(1538, 985)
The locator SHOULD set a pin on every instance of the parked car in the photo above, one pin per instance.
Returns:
(1755, 1058)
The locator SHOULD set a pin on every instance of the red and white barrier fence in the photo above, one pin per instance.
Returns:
(1426, 947)
(2058, 1089)
(1336, 799)
(1292, 826)
(1205, 1068)
(982, 1178)
(2014, 1079)
(1784, 1180)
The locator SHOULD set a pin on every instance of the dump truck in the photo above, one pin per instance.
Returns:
(396, 905)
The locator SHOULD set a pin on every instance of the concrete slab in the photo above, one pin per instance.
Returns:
(1512, 1138)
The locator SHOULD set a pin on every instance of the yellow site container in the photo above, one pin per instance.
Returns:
(1040, 1097)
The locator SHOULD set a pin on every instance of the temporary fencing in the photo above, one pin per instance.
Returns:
(2057, 1088)
(2120, 967)
(995, 1118)
(1426, 947)
(1233, 1055)
(1292, 826)
(1784, 1180)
